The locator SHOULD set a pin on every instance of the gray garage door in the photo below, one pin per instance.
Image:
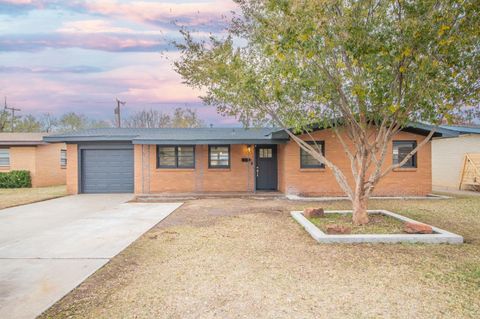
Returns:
(107, 171)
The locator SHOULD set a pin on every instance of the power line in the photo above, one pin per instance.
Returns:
(117, 112)
(13, 110)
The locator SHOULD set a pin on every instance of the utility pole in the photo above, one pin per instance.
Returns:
(117, 112)
(13, 110)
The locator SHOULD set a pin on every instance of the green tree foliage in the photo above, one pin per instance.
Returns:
(4, 126)
(6, 121)
(72, 121)
(355, 66)
(187, 118)
(28, 123)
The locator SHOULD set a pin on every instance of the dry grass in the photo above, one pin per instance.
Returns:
(21, 196)
(378, 224)
(238, 258)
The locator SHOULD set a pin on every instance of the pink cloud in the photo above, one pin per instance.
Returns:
(94, 95)
(190, 14)
(27, 4)
(151, 82)
(46, 80)
(20, 2)
(101, 26)
(194, 13)
(94, 41)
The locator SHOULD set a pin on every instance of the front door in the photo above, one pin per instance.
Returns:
(266, 167)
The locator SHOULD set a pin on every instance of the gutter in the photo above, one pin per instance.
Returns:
(75, 139)
(22, 143)
(207, 141)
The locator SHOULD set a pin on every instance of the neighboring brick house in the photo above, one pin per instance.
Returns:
(147, 161)
(27, 151)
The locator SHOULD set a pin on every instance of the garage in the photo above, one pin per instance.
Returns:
(107, 170)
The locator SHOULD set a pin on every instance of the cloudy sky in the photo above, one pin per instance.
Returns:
(78, 55)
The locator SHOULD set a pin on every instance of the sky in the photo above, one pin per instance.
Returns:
(79, 55)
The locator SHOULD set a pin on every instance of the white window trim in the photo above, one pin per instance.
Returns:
(8, 157)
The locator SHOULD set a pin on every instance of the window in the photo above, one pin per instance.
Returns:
(176, 156)
(307, 160)
(4, 157)
(401, 149)
(265, 153)
(219, 156)
(63, 158)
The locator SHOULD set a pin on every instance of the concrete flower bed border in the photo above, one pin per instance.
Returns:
(439, 236)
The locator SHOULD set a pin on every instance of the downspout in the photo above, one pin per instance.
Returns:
(143, 163)
(255, 168)
(149, 167)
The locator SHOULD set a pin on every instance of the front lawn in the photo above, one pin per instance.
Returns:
(21, 196)
(247, 258)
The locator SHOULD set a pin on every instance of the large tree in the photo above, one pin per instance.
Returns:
(49, 122)
(364, 69)
(28, 123)
(72, 121)
(186, 117)
(4, 120)
(147, 119)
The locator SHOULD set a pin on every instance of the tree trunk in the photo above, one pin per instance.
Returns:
(360, 216)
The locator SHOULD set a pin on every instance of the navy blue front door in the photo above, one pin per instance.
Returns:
(266, 167)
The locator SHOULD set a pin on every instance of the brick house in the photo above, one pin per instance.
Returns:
(148, 161)
(27, 151)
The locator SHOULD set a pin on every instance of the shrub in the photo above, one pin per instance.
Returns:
(15, 179)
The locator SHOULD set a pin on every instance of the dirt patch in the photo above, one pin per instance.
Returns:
(239, 258)
(378, 224)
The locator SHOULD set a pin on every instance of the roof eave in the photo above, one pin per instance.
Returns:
(154, 141)
(73, 139)
(416, 128)
(22, 143)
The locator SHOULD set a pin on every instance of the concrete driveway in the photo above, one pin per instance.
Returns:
(49, 248)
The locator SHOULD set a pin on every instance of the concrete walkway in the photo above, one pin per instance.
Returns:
(455, 192)
(48, 248)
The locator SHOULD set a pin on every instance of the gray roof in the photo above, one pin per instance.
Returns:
(22, 138)
(185, 136)
(424, 129)
(167, 136)
(412, 127)
(446, 130)
(463, 129)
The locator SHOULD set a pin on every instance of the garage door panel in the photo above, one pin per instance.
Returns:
(107, 171)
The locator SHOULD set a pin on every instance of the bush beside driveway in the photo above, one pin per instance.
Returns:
(244, 258)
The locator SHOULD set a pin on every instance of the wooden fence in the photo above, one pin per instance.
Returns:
(470, 174)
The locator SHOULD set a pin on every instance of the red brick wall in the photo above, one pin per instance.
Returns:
(150, 179)
(21, 158)
(296, 180)
(72, 169)
(42, 161)
(49, 171)
(240, 176)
